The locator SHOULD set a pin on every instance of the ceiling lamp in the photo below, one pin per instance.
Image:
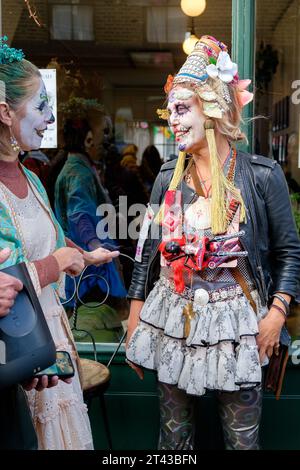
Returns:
(190, 38)
(193, 7)
(189, 42)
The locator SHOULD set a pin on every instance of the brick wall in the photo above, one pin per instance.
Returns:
(119, 24)
(120, 27)
(17, 24)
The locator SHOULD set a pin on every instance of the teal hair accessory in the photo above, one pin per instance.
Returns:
(9, 54)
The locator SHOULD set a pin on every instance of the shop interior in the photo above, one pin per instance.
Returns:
(121, 52)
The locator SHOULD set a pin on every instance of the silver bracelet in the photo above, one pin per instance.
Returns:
(285, 303)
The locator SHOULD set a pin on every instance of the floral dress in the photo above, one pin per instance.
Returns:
(59, 413)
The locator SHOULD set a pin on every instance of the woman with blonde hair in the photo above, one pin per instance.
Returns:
(214, 277)
(30, 230)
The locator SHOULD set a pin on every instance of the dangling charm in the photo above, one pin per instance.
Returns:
(189, 314)
(14, 144)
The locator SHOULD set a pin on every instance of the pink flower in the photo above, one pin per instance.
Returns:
(244, 96)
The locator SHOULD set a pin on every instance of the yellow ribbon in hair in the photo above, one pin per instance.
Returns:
(220, 185)
(176, 178)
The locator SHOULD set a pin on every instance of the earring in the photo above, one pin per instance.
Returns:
(14, 144)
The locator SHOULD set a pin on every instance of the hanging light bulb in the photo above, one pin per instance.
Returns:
(189, 42)
(193, 7)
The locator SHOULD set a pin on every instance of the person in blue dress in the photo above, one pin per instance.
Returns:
(79, 193)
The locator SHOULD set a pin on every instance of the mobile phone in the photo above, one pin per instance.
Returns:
(62, 367)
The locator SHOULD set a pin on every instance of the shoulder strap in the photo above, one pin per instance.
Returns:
(236, 273)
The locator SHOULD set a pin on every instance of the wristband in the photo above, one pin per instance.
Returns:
(279, 310)
(285, 303)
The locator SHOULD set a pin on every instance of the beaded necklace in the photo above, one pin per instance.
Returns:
(192, 175)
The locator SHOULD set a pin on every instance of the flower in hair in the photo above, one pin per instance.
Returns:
(244, 96)
(224, 69)
(79, 108)
(168, 84)
(9, 54)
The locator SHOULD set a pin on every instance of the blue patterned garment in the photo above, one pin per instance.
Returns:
(78, 193)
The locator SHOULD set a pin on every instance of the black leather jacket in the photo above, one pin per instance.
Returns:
(271, 238)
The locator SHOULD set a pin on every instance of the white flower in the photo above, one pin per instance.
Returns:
(225, 69)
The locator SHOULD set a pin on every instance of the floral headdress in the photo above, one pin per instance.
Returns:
(209, 70)
(8, 54)
(80, 108)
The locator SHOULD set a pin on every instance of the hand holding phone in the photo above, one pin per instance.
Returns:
(63, 367)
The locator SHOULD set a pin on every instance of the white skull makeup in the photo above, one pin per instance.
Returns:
(37, 114)
(186, 119)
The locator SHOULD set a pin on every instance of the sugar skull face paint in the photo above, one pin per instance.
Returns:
(33, 119)
(186, 119)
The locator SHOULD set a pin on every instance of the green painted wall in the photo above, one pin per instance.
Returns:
(243, 53)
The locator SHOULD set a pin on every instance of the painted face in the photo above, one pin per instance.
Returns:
(186, 119)
(94, 140)
(33, 119)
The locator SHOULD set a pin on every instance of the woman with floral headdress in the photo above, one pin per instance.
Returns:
(30, 230)
(214, 277)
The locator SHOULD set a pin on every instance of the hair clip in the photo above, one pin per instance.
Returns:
(163, 114)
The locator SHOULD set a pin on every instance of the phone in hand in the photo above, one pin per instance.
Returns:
(63, 367)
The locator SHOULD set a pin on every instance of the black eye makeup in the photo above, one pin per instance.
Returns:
(42, 106)
(181, 109)
(44, 101)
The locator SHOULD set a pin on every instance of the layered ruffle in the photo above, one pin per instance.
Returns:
(220, 352)
(59, 413)
(68, 414)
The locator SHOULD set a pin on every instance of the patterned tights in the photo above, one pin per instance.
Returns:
(240, 414)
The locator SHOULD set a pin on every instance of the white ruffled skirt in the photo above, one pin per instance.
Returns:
(220, 352)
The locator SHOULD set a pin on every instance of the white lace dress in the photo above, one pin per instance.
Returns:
(220, 352)
(59, 413)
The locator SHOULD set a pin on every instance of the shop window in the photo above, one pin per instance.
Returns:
(165, 143)
(165, 25)
(72, 22)
(277, 86)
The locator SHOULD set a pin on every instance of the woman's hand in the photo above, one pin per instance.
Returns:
(70, 260)
(9, 286)
(43, 382)
(269, 333)
(99, 256)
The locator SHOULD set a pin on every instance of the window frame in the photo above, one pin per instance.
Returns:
(89, 3)
(165, 9)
